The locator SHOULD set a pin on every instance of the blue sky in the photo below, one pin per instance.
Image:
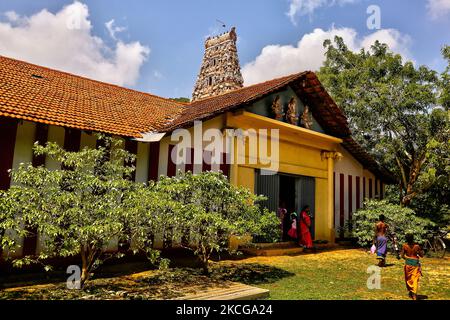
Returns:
(162, 41)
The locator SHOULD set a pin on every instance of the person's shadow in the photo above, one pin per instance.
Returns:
(422, 297)
(387, 265)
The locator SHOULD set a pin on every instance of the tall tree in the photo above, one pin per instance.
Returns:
(389, 104)
(445, 80)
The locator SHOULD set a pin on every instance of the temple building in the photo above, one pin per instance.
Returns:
(319, 163)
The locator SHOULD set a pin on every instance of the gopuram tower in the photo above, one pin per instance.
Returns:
(220, 71)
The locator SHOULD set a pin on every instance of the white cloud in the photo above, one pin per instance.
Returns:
(64, 41)
(307, 7)
(113, 30)
(309, 54)
(438, 8)
(397, 42)
(11, 16)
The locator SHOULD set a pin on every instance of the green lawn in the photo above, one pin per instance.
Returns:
(338, 274)
(341, 274)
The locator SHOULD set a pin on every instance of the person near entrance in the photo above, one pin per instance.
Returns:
(305, 238)
(284, 220)
(380, 240)
(293, 233)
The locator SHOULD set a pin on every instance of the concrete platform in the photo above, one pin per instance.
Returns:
(280, 248)
(269, 252)
(229, 291)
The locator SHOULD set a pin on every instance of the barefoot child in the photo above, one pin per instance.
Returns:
(411, 252)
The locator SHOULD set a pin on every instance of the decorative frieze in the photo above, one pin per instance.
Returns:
(291, 115)
(306, 120)
(277, 109)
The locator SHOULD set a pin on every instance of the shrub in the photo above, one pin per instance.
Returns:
(77, 210)
(210, 210)
(401, 220)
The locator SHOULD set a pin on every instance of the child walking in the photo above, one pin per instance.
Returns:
(412, 252)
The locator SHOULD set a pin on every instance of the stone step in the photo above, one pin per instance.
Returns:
(232, 291)
(281, 248)
(272, 252)
(276, 245)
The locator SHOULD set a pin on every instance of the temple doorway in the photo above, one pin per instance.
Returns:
(292, 191)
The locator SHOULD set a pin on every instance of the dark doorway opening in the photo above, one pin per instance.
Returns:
(287, 192)
(287, 200)
(291, 191)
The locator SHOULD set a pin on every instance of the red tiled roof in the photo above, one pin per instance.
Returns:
(306, 85)
(39, 94)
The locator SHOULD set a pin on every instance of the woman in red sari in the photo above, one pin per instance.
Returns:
(305, 225)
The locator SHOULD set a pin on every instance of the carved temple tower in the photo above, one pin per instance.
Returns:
(220, 71)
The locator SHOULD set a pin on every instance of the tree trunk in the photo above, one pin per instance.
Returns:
(414, 172)
(2, 232)
(84, 266)
(205, 266)
(204, 258)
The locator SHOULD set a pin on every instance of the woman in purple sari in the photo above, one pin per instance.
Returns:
(381, 241)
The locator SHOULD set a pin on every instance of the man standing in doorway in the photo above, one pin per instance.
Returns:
(380, 240)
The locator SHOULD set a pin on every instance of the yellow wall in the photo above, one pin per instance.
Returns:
(300, 153)
(323, 228)
(23, 153)
(246, 178)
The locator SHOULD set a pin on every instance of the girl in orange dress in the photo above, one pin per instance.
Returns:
(411, 252)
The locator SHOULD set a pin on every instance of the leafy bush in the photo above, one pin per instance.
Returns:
(401, 220)
(81, 208)
(210, 210)
(268, 229)
(77, 210)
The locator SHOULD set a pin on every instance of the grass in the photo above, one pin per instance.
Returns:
(342, 274)
(337, 274)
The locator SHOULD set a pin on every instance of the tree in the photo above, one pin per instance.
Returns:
(389, 105)
(210, 210)
(445, 80)
(10, 227)
(435, 203)
(148, 213)
(181, 99)
(77, 210)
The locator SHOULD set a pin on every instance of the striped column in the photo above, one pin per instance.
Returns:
(41, 136)
(8, 131)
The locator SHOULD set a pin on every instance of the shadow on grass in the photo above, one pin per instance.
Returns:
(389, 265)
(249, 273)
(178, 282)
(164, 284)
(113, 280)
